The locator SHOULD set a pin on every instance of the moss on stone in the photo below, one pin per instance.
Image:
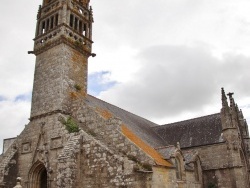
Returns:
(71, 125)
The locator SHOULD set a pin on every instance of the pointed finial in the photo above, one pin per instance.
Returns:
(178, 145)
(91, 14)
(237, 108)
(232, 104)
(223, 98)
(241, 114)
(91, 10)
(39, 12)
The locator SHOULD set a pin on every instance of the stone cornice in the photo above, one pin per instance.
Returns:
(62, 40)
(48, 114)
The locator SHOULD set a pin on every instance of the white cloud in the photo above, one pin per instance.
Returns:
(16, 31)
(222, 24)
(175, 80)
(14, 115)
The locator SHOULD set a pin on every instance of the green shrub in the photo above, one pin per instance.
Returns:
(71, 125)
(77, 87)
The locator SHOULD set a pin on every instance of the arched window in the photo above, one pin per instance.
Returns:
(197, 168)
(196, 171)
(178, 160)
(178, 168)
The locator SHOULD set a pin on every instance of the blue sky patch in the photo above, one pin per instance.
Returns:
(23, 97)
(2, 98)
(97, 82)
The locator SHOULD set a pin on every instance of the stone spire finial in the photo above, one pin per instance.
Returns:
(39, 12)
(223, 98)
(178, 145)
(237, 108)
(18, 184)
(232, 104)
(241, 116)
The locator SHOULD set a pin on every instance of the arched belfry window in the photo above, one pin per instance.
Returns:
(38, 176)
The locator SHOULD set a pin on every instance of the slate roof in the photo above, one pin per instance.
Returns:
(167, 151)
(138, 125)
(158, 157)
(194, 132)
(189, 133)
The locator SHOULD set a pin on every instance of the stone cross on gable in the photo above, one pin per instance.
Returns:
(230, 94)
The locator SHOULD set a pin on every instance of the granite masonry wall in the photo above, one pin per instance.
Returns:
(99, 155)
(58, 73)
(222, 166)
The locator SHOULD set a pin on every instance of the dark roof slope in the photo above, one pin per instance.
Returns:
(140, 126)
(166, 151)
(194, 132)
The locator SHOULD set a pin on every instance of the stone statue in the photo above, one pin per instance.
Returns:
(18, 184)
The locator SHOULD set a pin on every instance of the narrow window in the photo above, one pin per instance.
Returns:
(47, 25)
(71, 20)
(43, 27)
(52, 22)
(196, 172)
(80, 27)
(84, 30)
(178, 168)
(76, 24)
(56, 20)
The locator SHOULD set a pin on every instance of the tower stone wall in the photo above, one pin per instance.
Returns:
(59, 72)
(62, 46)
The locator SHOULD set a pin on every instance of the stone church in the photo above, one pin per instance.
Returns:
(74, 140)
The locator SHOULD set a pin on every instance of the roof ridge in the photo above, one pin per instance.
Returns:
(187, 120)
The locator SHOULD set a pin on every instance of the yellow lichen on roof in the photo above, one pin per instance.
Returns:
(145, 147)
(104, 113)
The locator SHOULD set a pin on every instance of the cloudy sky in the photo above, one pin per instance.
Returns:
(164, 60)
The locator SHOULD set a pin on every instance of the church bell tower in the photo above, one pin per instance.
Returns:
(62, 46)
